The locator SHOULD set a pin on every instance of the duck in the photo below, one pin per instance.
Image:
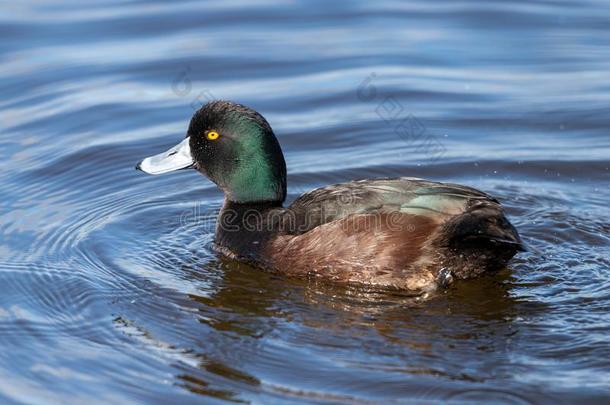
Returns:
(400, 233)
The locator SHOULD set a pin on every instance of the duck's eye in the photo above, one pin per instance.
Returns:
(212, 135)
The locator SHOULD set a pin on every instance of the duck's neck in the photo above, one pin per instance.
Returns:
(244, 227)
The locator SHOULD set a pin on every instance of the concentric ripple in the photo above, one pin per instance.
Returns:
(109, 290)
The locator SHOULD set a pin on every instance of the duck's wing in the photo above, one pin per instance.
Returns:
(407, 195)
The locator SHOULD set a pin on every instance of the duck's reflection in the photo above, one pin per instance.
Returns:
(264, 324)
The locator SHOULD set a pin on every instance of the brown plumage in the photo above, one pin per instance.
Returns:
(371, 232)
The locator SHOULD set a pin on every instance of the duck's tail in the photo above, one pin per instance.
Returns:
(484, 238)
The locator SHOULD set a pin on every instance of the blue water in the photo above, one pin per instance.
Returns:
(109, 290)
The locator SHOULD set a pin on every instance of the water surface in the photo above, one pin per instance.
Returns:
(109, 290)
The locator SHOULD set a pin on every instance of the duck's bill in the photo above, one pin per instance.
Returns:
(177, 158)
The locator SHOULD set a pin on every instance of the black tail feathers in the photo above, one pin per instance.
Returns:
(486, 227)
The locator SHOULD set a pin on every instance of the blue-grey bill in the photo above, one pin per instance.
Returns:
(178, 157)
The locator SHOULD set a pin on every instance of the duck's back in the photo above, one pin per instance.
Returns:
(400, 232)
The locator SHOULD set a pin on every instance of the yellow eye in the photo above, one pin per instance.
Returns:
(212, 135)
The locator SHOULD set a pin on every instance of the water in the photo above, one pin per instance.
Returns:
(109, 290)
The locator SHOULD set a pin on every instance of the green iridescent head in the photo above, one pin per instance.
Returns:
(234, 146)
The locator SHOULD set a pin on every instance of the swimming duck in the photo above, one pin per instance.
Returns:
(400, 233)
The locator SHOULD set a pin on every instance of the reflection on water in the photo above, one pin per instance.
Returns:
(358, 329)
(110, 292)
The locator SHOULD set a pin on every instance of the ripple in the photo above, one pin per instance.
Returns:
(109, 289)
(487, 395)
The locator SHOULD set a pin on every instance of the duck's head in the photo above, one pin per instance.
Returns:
(234, 146)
